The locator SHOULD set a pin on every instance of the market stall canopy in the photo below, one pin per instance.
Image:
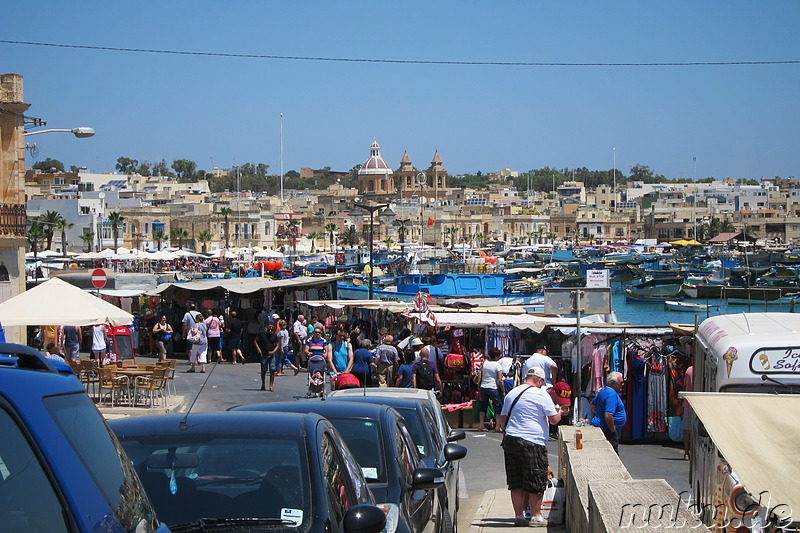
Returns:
(725, 237)
(757, 435)
(58, 303)
(266, 253)
(680, 242)
(246, 285)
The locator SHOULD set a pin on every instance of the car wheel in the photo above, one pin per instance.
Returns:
(446, 523)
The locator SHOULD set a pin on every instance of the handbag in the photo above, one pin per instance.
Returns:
(510, 409)
(477, 377)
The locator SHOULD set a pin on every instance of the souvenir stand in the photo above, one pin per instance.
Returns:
(652, 360)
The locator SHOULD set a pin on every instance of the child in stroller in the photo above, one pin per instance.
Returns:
(317, 366)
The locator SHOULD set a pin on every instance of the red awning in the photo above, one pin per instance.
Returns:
(726, 237)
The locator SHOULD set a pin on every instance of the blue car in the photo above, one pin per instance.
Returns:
(61, 468)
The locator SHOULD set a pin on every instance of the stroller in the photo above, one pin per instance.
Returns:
(317, 366)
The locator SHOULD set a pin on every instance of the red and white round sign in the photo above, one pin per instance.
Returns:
(99, 278)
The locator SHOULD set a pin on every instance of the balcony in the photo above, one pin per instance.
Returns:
(12, 220)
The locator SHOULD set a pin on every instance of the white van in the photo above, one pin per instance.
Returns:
(746, 385)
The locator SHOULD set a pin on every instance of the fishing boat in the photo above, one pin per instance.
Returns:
(478, 289)
(676, 305)
(633, 298)
(655, 289)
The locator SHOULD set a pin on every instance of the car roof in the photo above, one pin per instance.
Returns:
(321, 407)
(226, 422)
(394, 392)
(392, 401)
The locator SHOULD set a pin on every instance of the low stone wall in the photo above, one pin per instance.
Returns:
(601, 496)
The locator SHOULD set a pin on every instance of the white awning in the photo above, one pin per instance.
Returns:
(758, 435)
(246, 285)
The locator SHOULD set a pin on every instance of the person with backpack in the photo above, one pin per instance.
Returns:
(426, 375)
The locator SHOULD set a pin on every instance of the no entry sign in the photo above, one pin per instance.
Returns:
(99, 278)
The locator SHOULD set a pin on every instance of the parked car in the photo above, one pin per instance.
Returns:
(61, 468)
(381, 443)
(435, 452)
(261, 472)
(426, 396)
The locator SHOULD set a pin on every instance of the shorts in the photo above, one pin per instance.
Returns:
(234, 344)
(73, 350)
(198, 354)
(491, 395)
(213, 344)
(269, 364)
(526, 465)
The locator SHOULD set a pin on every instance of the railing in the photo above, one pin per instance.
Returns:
(12, 220)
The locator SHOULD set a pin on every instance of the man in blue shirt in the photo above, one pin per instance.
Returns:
(608, 409)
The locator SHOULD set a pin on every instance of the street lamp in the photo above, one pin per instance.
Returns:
(358, 213)
(80, 133)
(402, 228)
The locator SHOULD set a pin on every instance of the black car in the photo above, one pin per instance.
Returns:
(435, 452)
(381, 443)
(261, 472)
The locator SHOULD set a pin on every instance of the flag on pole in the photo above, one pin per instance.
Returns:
(421, 307)
(431, 222)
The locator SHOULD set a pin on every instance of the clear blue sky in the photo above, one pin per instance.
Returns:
(738, 121)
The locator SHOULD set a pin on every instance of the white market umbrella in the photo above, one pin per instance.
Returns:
(58, 303)
(267, 253)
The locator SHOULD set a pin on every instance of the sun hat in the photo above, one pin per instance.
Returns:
(416, 342)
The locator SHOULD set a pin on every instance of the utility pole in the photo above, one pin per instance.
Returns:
(281, 160)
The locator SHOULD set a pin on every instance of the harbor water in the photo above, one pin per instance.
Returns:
(655, 314)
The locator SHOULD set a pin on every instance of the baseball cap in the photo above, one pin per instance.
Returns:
(563, 393)
(276, 316)
(536, 371)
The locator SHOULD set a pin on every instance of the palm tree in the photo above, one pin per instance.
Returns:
(388, 241)
(159, 236)
(313, 236)
(88, 239)
(204, 237)
(178, 234)
(479, 238)
(47, 224)
(293, 226)
(116, 219)
(451, 233)
(402, 229)
(226, 212)
(35, 234)
(331, 228)
(350, 236)
(63, 226)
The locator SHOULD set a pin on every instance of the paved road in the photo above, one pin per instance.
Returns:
(226, 385)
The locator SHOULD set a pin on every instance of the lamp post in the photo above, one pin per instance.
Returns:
(402, 227)
(80, 133)
(356, 212)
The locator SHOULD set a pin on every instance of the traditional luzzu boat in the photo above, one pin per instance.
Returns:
(676, 305)
(655, 289)
(478, 289)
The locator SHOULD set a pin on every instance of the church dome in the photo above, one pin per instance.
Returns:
(375, 164)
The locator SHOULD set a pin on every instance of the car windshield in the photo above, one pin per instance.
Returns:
(364, 441)
(93, 441)
(193, 477)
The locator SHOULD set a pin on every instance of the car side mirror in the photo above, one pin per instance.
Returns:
(427, 478)
(364, 519)
(456, 434)
(454, 452)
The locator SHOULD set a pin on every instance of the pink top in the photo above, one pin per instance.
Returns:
(688, 383)
(212, 323)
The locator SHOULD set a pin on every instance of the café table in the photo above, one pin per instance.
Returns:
(133, 374)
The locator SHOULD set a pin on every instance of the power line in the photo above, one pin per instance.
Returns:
(407, 61)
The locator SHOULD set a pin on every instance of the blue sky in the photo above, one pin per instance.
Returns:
(738, 121)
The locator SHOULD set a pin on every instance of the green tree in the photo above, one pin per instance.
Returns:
(62, 227)
(351, 236)
(49, 165)
(162, 169)
(451, 233)
(184, 169)
(204, 237)
(88, 239)
(330, 229)
(49, 221)
(159, 236)
(144, 168)
(226, 212)
(313, 236)
(126, 165)
(178, 235)
(74, 169)
(115, 218)
(35, 235)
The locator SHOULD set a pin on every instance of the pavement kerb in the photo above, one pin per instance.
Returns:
(495, 514)
(175, 404)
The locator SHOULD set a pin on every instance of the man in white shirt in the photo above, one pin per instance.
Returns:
(541, 360)
(299, 334)
(526, 412)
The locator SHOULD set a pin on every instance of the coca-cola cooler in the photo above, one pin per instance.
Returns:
(123, 343)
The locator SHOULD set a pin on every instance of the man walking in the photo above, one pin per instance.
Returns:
(608, 409)
(72, 342)
(233, 332)
(526, 412)
(267, 346)
(188, 323)
(300, 334)
(425, 374)
(542, 360)
(386, 358)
